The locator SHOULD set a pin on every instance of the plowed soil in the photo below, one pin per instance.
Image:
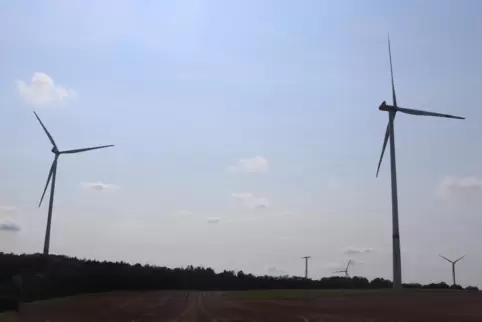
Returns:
(342, 306)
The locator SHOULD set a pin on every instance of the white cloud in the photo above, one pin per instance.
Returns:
(273, 271)
(460, 186)
(6, 209)
(357, 251)
(185, 212)
(99, 186)
(214, 220)
(250, 201)
(8, 225)
(41, 90)
(250, 165)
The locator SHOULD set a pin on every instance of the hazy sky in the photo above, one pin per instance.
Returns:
(247, 133)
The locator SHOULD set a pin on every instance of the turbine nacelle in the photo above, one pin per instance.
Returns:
(385, 107)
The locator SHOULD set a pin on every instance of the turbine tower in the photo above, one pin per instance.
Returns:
(390, 133)
(345, 270)
(453, 266)
(52, 176)
(306, 265)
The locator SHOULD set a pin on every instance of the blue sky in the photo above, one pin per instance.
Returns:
(187, 89)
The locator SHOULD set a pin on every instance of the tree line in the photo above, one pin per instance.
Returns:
(51, 276)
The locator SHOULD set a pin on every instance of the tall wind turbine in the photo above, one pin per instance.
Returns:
(306, 265)
(390, 133)
(52, 176)
(453, 266)
(345, 270)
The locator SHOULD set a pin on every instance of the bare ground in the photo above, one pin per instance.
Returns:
(177, 306)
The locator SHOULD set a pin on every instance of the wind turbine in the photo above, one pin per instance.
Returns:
(453, 266)
(306, 265)
(390, 133)
(52, 176)
(345, 270)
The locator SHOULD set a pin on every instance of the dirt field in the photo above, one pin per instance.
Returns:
(276, 306)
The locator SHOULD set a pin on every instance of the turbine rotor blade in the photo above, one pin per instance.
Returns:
(458, 259)
(426, 113)
(385, 141)
(391, 72)
(46, 131)
(394, 97)
(446, 258)
(86, 149)
(48, 179)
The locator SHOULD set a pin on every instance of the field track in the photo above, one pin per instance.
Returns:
(313, 306)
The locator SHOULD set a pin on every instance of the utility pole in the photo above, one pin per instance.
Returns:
(306, 265)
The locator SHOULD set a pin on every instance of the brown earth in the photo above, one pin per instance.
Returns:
(177, 306)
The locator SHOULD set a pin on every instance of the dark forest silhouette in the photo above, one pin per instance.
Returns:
(55, 276)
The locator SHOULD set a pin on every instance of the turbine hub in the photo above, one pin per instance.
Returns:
(54, 150)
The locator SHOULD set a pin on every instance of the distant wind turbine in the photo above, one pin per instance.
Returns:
(390, 133)
(345, 270)
(52, 176)
(306, 265)
(453, 266)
